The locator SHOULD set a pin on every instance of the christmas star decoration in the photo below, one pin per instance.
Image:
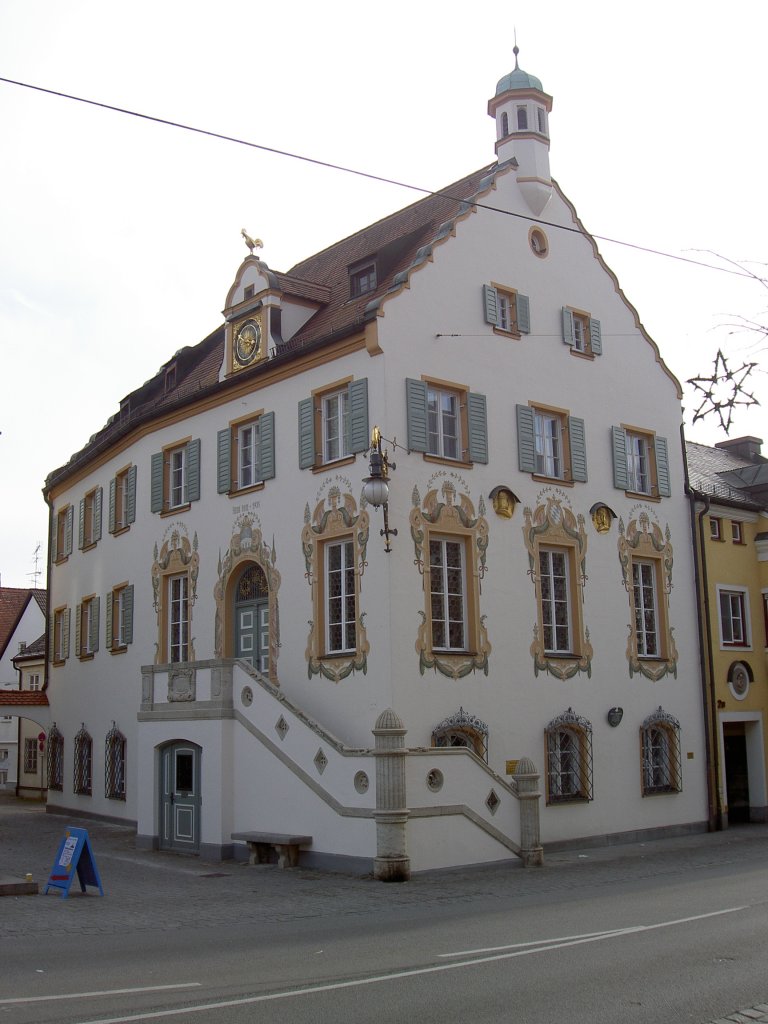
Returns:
(722, 391)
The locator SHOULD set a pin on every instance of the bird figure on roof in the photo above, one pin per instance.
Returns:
(252, 243)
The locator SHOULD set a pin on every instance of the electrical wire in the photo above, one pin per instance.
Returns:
(367, 174)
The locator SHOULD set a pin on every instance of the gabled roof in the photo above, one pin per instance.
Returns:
(13, 603)
(725, 476)
(32, 652)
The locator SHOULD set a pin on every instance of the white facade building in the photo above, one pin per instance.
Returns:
(227, 627)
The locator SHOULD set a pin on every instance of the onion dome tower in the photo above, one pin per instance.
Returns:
(521, 109)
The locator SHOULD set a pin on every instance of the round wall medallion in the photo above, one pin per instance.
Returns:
(738, 680)
(247, 696)
(538, 242)
(435, 780)
(361, 782)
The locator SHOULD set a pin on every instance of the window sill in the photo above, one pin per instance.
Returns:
(238, 492)
(176, 510)
(642, 496)
(119, 530)
(553, 801)
(118, 650)
(443, 460)
(58, 662)
(61, 560)
(336, 655)
(559, 480)
(85, 657)
(89, 546)
(588, 355)
(507, 334)
(325, 467)
(662, 791)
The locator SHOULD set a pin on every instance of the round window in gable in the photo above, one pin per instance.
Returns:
(538, 242)
(739, 678)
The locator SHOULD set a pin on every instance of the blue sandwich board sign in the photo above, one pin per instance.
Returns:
(75, 857)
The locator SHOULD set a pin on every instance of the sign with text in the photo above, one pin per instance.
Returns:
(74, 857)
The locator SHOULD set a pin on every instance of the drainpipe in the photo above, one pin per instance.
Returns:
(704, 622)
(46, 669)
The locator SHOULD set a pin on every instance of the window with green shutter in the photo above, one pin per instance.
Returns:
(446, 421)
(640, 462)
(506, 309)
(245, 453)
(333, 424)
(551, 443)
(582, 332)
(122, 500)
(175, 477)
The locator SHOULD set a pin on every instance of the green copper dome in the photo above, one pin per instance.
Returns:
(518, 79)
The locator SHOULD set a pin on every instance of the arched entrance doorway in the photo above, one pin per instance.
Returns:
(251, 617)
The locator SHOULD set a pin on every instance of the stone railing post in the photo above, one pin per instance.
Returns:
(527, 779)
(392, 863)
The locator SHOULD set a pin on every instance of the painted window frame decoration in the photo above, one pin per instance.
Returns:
(313, 417)
(448, 514)
(553, 526)
(462, 729)
(177, 556)
(568, 741)
(643, 542)
(336, 519)
(230, 464)
(661, 762)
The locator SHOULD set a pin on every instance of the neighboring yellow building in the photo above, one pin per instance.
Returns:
(730, 487)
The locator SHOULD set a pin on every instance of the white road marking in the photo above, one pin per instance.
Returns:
(415, 972)
(105, 992)
(588, 935)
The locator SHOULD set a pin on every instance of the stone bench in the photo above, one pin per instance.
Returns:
(286, 847)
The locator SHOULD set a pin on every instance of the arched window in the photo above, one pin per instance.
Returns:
(569, 758)
(83, 777)
(55, 759)
(504, 125)
(114, 765)
(462, 730)
(522, 119)
(660, 751)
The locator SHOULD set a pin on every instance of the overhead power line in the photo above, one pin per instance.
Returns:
(366, 174)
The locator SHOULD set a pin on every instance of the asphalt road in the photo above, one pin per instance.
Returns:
(675, 930)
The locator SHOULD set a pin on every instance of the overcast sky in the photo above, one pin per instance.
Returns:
(120, 237)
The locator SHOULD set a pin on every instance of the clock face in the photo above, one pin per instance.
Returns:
(248, 342)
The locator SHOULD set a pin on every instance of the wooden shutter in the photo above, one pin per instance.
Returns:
(93, 625)
(568, 326)
(130, 483)
(65, 623)
(224, 460)
(358, 440)
(156, 483)
(81, 525)
(54, 526)
(523, 310)
(578, 448)
(595, 337)
(112, 505)
(192, 470)
(98, 501)
(108, 606)
(526, 439)
(306, 433)
(266, 467)
(619, 446)
(662, 467)
(416, 408)
(68, 530)
(491, 304)
(477, 421)
(128, 614)
(78, 629)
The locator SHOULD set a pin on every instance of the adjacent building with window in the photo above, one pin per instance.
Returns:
(22, 628)
(221, 653)
(730, 489)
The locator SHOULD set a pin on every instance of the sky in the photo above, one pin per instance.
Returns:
(120, 237)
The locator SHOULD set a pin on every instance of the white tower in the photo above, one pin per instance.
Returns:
(521, 108)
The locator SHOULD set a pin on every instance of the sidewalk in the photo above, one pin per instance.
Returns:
(151, 891)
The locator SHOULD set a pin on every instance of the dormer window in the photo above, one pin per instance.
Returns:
(522, 119)
(170, 379)
(362, 279)
(248, 292)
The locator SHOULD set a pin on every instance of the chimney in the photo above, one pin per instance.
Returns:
(744, 447)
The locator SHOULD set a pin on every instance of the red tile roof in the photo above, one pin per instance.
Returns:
(13, 601)
(22, 698)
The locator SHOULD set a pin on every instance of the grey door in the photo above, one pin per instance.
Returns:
(252, 634)
(180, 798)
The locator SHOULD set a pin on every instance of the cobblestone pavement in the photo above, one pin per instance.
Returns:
(152, 891)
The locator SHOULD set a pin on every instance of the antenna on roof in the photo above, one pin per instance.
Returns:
(37, 571)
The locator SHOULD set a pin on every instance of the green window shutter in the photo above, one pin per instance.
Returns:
(78, 622)
(567, 326)
(359, 433)
(128, 614)
(523, 308)
(130, 482)
(306, 433)
(491, 304)
(526, 440)
(98, 501)
(192, 475)
(68, 530)
(108, 620)
(54, 522)
(578, 447)
(662, 467)
(112, 505)
(156, 498)
(224, 460)
(52, 638)
(93, 625)
(595, 337)
(66, 620)
(619, 445)
(267, 446)
(81, 525)
(416, 407)
(477, 420)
